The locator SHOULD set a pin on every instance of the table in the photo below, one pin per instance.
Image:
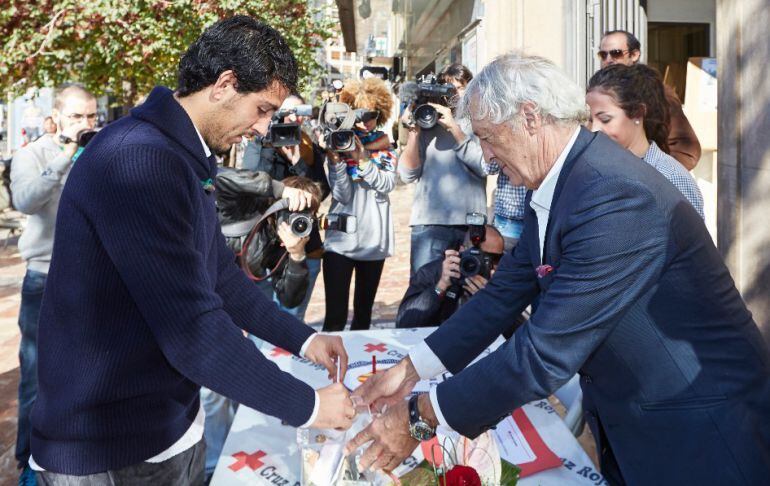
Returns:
(259, 450)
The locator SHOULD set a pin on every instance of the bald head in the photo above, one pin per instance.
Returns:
(493, 241)
(67, 92)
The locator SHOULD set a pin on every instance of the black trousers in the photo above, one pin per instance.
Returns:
(338, 271)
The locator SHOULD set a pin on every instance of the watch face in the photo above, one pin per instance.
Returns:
(421, 431)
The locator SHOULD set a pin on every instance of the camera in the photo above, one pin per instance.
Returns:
(474, 262)
(346, 223)
(300, 222)
(281, 134)
(82, 139)
(429, 90)
(337, 121)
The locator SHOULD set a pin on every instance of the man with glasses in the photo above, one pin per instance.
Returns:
(622, 47)
(38, 173)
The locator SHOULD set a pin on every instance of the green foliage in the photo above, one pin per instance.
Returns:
(128, 46)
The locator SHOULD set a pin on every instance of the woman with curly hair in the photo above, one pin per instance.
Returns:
(360, 234)
(628, 104)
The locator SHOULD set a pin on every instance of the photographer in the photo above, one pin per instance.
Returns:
(447, 167)
(428, 302)
(38, 173)
(306, 160)
(360, 234)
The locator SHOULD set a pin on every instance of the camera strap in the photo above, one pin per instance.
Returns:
(279, 205)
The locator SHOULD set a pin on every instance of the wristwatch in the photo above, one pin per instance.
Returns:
(418, 427)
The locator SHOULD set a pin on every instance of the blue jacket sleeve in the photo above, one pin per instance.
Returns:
(614, 249)
(490, 312)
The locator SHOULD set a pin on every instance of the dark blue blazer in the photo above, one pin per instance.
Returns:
(675, 375)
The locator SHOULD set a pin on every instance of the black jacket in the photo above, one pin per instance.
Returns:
(421, 306)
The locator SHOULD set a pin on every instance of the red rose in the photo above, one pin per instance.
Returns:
(460, 476)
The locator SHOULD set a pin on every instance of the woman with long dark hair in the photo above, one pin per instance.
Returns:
(628, 104)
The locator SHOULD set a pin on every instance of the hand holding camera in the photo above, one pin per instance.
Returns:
(294, 244)
(298, 199)
(475, 283)
(450, 269)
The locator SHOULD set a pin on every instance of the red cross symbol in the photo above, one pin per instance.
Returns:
(279, 352)
(252, 461)
(370, 348)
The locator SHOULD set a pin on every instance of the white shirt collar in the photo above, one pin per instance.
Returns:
(542, 197)
(206, 148)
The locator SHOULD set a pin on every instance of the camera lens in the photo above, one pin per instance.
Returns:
(343, 140)
(470, 265)
(299, 226)
(425, 116)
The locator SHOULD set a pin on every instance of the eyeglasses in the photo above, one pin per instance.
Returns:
(613, 53)
(78, 117)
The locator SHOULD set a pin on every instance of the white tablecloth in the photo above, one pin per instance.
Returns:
(259, 450)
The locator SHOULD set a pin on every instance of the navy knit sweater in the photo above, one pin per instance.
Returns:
(144, 303)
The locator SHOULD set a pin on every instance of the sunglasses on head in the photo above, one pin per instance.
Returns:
(613, 53)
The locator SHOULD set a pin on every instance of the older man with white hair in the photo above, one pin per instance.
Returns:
(628, 290)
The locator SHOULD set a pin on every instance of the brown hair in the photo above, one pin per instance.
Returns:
(639, 92)
(456, 72)
(305, 184)
(371, 94)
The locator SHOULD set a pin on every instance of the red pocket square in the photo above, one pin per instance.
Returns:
(543, 270)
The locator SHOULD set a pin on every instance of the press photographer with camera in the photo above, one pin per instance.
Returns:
(38, 173)
(440, 287)
(286, 151)
(445, 164)
(360, 225)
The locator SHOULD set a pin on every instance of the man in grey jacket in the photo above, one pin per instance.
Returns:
(451, 182)
(38, 173)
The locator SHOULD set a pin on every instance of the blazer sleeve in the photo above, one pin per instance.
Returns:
(490, 312)
(614, 250)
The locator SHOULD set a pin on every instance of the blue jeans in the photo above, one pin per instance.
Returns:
(510, 229)
(29, 313)
(430, 241)
(314, 268)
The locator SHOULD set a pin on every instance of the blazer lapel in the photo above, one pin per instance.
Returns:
(583, 140)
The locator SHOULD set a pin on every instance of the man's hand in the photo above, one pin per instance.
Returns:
(295, 246)
(390, 387)
(447, 120)
(298, 199)
(291, 153)
(407, 120)
(335, 411)
(391, 441)
(327, 351)
(474, 284)
(449, 269)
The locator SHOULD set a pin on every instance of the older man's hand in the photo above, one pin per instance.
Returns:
(390, 387)
(391, 441)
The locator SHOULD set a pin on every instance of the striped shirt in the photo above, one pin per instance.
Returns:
(677, 174)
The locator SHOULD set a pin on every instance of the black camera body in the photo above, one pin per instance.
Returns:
(281, 134)
(474, 262)
(82, 139)
(300, 222)
(430, 91)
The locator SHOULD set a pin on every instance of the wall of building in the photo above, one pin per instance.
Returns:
(744, 150)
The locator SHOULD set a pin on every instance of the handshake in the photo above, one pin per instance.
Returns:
(389, 432)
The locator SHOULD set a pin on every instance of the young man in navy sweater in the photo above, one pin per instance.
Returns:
(144, 302)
